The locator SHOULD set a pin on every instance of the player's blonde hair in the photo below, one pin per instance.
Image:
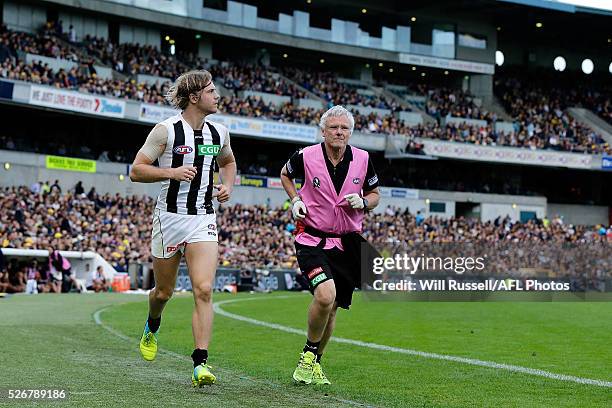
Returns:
(187, 84)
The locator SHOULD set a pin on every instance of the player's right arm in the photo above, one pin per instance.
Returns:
(143, 171)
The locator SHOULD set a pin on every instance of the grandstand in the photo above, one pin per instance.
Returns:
(487, 121)
(535, 145)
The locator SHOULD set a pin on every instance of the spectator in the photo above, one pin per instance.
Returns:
(99, 283)
(33, 278)
(35, 188)
(72, 34)
(56, 186)
(419, 218)
(58, 264)
(3, 274)
(117, 228)
(78, 188)
(540, 124)
(4, 283)
(16, 278)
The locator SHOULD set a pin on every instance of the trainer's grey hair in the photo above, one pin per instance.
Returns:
(334, 112)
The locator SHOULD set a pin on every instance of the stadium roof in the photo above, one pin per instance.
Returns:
(570, 6)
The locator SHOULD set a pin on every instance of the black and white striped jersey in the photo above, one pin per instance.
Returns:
(186, 147)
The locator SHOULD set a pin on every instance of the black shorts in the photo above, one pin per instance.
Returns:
(320, 265)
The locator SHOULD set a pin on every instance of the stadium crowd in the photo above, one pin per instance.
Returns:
(43, 216)
(443, 102)
(250, 77)
(540, 119)
(600, 103)
(83, 80)
(133, 59)
(256, 107)
(327, 86)
(12, 42)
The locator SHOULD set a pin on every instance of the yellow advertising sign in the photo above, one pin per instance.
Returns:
(71, 164)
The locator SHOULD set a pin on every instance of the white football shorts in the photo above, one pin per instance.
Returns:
(171, 232)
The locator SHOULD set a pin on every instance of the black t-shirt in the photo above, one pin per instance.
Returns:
(295, 169)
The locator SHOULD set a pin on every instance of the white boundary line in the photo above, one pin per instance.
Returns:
(463, 360)
(99, 322)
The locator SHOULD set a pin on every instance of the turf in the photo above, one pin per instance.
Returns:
(52, 341)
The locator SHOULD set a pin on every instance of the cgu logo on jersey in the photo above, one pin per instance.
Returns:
(356, 180)
(316, 183)
(209, 150)
(183, 149)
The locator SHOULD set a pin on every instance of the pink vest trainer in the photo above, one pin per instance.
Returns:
(328, 211)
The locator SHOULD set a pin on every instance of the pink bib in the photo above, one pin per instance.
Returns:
(327, 210)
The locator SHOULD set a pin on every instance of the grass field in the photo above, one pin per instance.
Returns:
(53, 341)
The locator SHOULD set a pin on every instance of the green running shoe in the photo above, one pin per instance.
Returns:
(148, 344)
(304, 371)
(318, 376)
(202, 376)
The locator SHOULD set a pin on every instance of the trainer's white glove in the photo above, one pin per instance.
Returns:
(355, 201)
(298, 210)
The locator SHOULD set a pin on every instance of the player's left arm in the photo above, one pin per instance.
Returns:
(227, 171)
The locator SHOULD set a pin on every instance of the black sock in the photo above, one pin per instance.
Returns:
(154, 323)
(312, 346)
(319, 357)
(199, 356)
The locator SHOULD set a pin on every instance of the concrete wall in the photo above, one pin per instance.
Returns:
(54, 63)
(471, 122)
(23, 17)
(310, 103)
(84, 25)
(482, 86)
(151, 79)
(581, 214)
(366, 110)
(420, 204)
(490, 211)
(267, 97)
(205, 48)
(139, 34)
(475, 54)
(58, 63)
(411, 118)
(506, 127)
(104, 72)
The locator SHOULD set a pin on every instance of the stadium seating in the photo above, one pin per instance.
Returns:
(327, 86)
(539, 116)
(118, 228)
(541, 121)
(442, 102)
